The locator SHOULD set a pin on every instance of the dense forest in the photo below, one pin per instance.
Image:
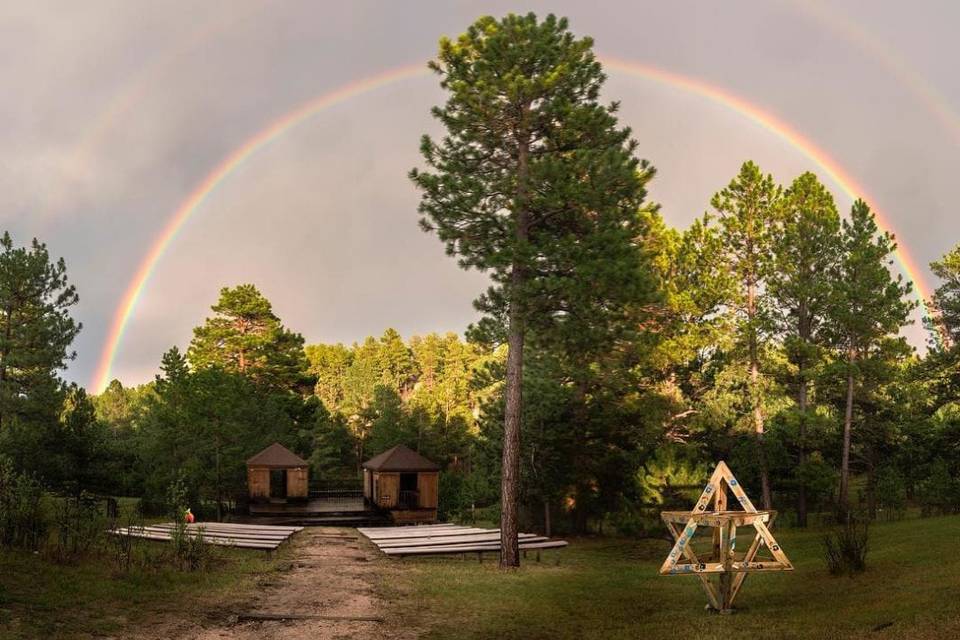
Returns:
(620, 357)
(768, 336)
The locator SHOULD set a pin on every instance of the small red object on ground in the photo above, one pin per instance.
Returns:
(189, 517)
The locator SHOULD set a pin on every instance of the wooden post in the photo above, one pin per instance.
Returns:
(722, 559)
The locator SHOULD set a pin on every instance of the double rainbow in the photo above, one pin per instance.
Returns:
(284, 124)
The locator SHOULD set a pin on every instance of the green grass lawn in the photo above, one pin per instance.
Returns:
(42, 599)
(609, 588)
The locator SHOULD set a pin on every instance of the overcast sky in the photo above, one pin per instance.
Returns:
(113, 112)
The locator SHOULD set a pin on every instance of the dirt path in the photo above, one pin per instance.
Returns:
(333, 572)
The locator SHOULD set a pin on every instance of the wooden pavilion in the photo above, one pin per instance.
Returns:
(403, 482)
(277, 474)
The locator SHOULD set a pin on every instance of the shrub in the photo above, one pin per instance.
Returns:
(124, 547)
(939, 492)
(891, 492)
(21, 511)
(80, 526)
(190, 550)
(845, 548)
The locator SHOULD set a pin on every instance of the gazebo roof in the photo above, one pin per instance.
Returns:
(400, 458)
(276, 456)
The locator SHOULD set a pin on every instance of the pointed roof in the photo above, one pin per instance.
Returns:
(277, 456)
(400, 458)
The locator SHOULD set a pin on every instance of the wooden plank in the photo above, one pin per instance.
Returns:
(221, 526)
(435, 534)
(682, 539)
(444, 539)
(467, 546)
(279, 539)
(708, 588)
(437, 542)
(412, 529)
(218, 540)
(266, 546)
(388, 489)
(424, 551)
(246, 531)
(226, 532)
(213, 538)
(773, 545)
(752, 567)
(702, 567)
(427, 489)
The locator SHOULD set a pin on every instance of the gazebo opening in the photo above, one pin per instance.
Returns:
(404, 483)
(277, 474)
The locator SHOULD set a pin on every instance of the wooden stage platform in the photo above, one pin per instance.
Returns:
(322, 511)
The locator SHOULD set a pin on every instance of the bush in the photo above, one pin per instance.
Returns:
(190, 550)
(21, 512)
(939, 492)
(845, 548)
(891, 492)
(635, 521)
(80, 526)
(124, 547)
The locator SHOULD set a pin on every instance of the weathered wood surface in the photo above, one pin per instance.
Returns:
(376, 532)
(444, 533)
(448, 539)
(722, 559)
(479, 548)
(221, 534)
(223, 542)
(440, 542)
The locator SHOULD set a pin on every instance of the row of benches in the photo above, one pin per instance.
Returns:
(223, 534)
(445, 539)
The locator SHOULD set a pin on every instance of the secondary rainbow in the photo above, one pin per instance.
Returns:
(279, 127)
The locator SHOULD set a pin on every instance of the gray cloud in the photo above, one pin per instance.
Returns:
(114, 111)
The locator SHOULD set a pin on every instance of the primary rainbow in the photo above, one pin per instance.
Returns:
(279, 127)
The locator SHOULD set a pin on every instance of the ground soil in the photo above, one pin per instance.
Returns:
(328, 571)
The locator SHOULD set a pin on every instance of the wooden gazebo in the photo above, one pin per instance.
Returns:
(277, 474)
(403, 482)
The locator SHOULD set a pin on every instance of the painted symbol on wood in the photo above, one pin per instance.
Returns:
(722, 560)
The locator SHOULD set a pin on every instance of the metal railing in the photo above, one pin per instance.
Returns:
(409, 499)
(337, 495)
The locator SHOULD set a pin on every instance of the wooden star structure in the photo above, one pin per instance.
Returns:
(723, 560)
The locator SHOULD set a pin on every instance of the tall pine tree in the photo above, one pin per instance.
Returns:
(747, 211)
(246, 337)
(535, 184)
(867, 305)
(806, 249)
(36, 332)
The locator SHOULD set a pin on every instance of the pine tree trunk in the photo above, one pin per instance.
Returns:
(510, 476)
(7, 331)
(843, 498)
(803, 332)
(802, 454)
(546, 517)
(510, 471)
(219, 488)
(754, 391)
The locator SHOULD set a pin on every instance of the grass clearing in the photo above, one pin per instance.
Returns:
(609, 588)
(42, 599)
